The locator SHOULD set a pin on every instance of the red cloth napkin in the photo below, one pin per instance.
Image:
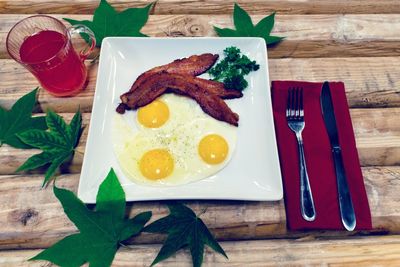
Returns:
(319, 158)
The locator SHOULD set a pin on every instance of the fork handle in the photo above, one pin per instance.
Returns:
(306, 198)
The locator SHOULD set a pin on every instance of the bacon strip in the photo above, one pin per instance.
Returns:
(162, 82)
(179, 77)
(216, 88)
(212, 87)
(193, 65)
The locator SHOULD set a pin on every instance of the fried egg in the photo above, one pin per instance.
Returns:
(171, 141)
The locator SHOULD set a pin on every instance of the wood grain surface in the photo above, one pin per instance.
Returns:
(31, 217)
(354, 41)
(377, 141)
(306, 35)
(370, 81)
(207, 7)
(357, 251)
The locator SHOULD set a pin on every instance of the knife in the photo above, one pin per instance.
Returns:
(345, 203)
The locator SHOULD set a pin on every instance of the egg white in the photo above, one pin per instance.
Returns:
(180, 135)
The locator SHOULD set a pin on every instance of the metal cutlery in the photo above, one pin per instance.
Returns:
(345, 203)
(295, 120)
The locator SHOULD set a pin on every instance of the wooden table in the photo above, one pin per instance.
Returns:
(357, 42)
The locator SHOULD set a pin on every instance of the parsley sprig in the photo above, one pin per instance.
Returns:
(232, 69)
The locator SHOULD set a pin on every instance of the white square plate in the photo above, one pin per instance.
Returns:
(253, 172)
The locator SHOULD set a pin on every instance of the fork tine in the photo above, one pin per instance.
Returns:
(293, 103)
(301, 103)
(296, 104)
(288, 103)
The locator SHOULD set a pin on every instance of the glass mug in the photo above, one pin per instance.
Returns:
(43, 45)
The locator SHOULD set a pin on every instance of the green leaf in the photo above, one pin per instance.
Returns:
(36, 161)
(137, 16)
(111, 196)
(244, 27)
(226, 32)
(134, 226)
(100, 232)
(184, 228)
(58, 144)
(266, 24)
(242, 20)
(108, 22)
(210, 240)
(273, 39)
(54, 165)
(43, 140)
(75, 129)
(18, 120)
(58, 126)
(68, 250)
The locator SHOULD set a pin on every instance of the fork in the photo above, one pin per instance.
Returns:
(295, 120)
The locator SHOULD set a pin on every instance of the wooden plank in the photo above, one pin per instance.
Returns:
(306, 35)
(377, 134)
(364, 251)
(207, 7)
(370, 82)
(31, 217)
(337, 27)
(359, 251)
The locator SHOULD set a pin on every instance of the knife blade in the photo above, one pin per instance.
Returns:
(345, 203)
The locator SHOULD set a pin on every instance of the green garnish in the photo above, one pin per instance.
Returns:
(232, 69)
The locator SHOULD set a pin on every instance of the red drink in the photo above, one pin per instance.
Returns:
(42, 44)
(54, 62)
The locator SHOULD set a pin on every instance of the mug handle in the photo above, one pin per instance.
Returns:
(90, 39)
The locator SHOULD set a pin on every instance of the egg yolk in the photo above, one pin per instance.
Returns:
(153, 115)
(213, 149)
(156, 164)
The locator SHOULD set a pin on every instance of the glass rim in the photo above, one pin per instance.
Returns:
(65, 29)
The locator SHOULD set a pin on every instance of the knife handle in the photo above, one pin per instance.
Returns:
(345, 203)
(306, 199)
